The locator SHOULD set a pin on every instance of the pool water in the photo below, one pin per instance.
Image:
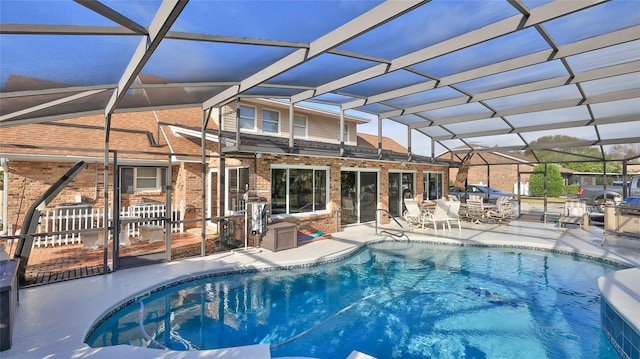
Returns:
(389, 300)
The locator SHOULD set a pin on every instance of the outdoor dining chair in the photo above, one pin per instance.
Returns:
(503, 211)
(476, 211)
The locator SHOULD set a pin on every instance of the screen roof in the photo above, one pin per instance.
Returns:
(471, 76)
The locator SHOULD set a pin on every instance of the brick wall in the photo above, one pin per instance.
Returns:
(27, 181)
(502, 177)
(327, 222)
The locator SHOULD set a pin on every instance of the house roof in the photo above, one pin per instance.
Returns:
(492, 73)
(136, 136)
(367, 140)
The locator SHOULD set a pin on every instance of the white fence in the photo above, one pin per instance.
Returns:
(78, 219)
(524, 189)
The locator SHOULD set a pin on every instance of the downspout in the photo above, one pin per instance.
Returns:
(409, 153)
(4, 162)
(203, 173)
(291, 118)
(341, 132)
(379, 137)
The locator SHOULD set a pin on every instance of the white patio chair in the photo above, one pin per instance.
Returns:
(503, 211)
(439, 215)
(453, 212)
(413, 213)
(475, 210)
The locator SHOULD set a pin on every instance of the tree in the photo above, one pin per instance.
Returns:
(558, 153)
(555, 184)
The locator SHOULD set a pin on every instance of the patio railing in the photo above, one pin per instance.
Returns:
(74, 220)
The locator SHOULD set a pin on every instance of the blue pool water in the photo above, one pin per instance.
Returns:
(389, 300)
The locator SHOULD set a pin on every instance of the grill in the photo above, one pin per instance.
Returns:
(629, 208)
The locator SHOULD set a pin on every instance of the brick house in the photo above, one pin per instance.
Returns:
(498, 169)
(307, 176)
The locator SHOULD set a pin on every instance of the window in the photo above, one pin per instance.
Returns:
(345, 134)
(142, 179)
(270, 121)
(298, 190)
(237, 182)
(247, 118)
(433, 185)
(299, 126)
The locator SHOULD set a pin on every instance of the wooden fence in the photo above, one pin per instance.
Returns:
(77, 219)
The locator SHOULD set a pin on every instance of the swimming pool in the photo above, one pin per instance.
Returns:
(389, 300)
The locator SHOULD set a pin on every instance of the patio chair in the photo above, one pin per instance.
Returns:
(453, 212)
(503, 211)
(476, 211)
(574, 212)
(413, 212)
(439, 215)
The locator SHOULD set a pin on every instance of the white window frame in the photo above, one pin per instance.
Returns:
(275, 112)
(327, 170)
(157, 178)
(304, 128)
(254, 119)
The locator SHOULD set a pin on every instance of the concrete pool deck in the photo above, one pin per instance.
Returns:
(52, 320)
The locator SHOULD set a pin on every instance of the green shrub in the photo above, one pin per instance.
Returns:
(555, 184)
(572, 189)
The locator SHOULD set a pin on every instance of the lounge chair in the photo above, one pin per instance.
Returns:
(453, 212)
(574, 212)
(413, 212)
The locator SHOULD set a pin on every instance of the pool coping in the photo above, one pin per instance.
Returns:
(34, 338)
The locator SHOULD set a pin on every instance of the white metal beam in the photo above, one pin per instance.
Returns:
(371, 19)
(49, 104)
(167, 13)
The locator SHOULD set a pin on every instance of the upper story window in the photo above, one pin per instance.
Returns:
(270, 121)
(299, 126)
(247, 118)
(345, 133)
(141, 179)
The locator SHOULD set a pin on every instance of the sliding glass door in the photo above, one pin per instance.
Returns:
(359, 195)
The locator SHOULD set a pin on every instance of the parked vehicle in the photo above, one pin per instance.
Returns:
(595, 194)
(489, 194)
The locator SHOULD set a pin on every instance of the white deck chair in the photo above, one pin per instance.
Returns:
(439, 215)
(453, 212)
(413, 213)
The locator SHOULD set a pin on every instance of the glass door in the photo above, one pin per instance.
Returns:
(433, 186)
(349, 197)
(400, 187)
(359, 196)
(368, 196)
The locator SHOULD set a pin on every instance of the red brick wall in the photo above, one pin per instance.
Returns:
(502, 177)
(27, 181)
(327, 222)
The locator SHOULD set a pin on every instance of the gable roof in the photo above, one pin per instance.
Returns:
(367, 140)
(142, 136)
